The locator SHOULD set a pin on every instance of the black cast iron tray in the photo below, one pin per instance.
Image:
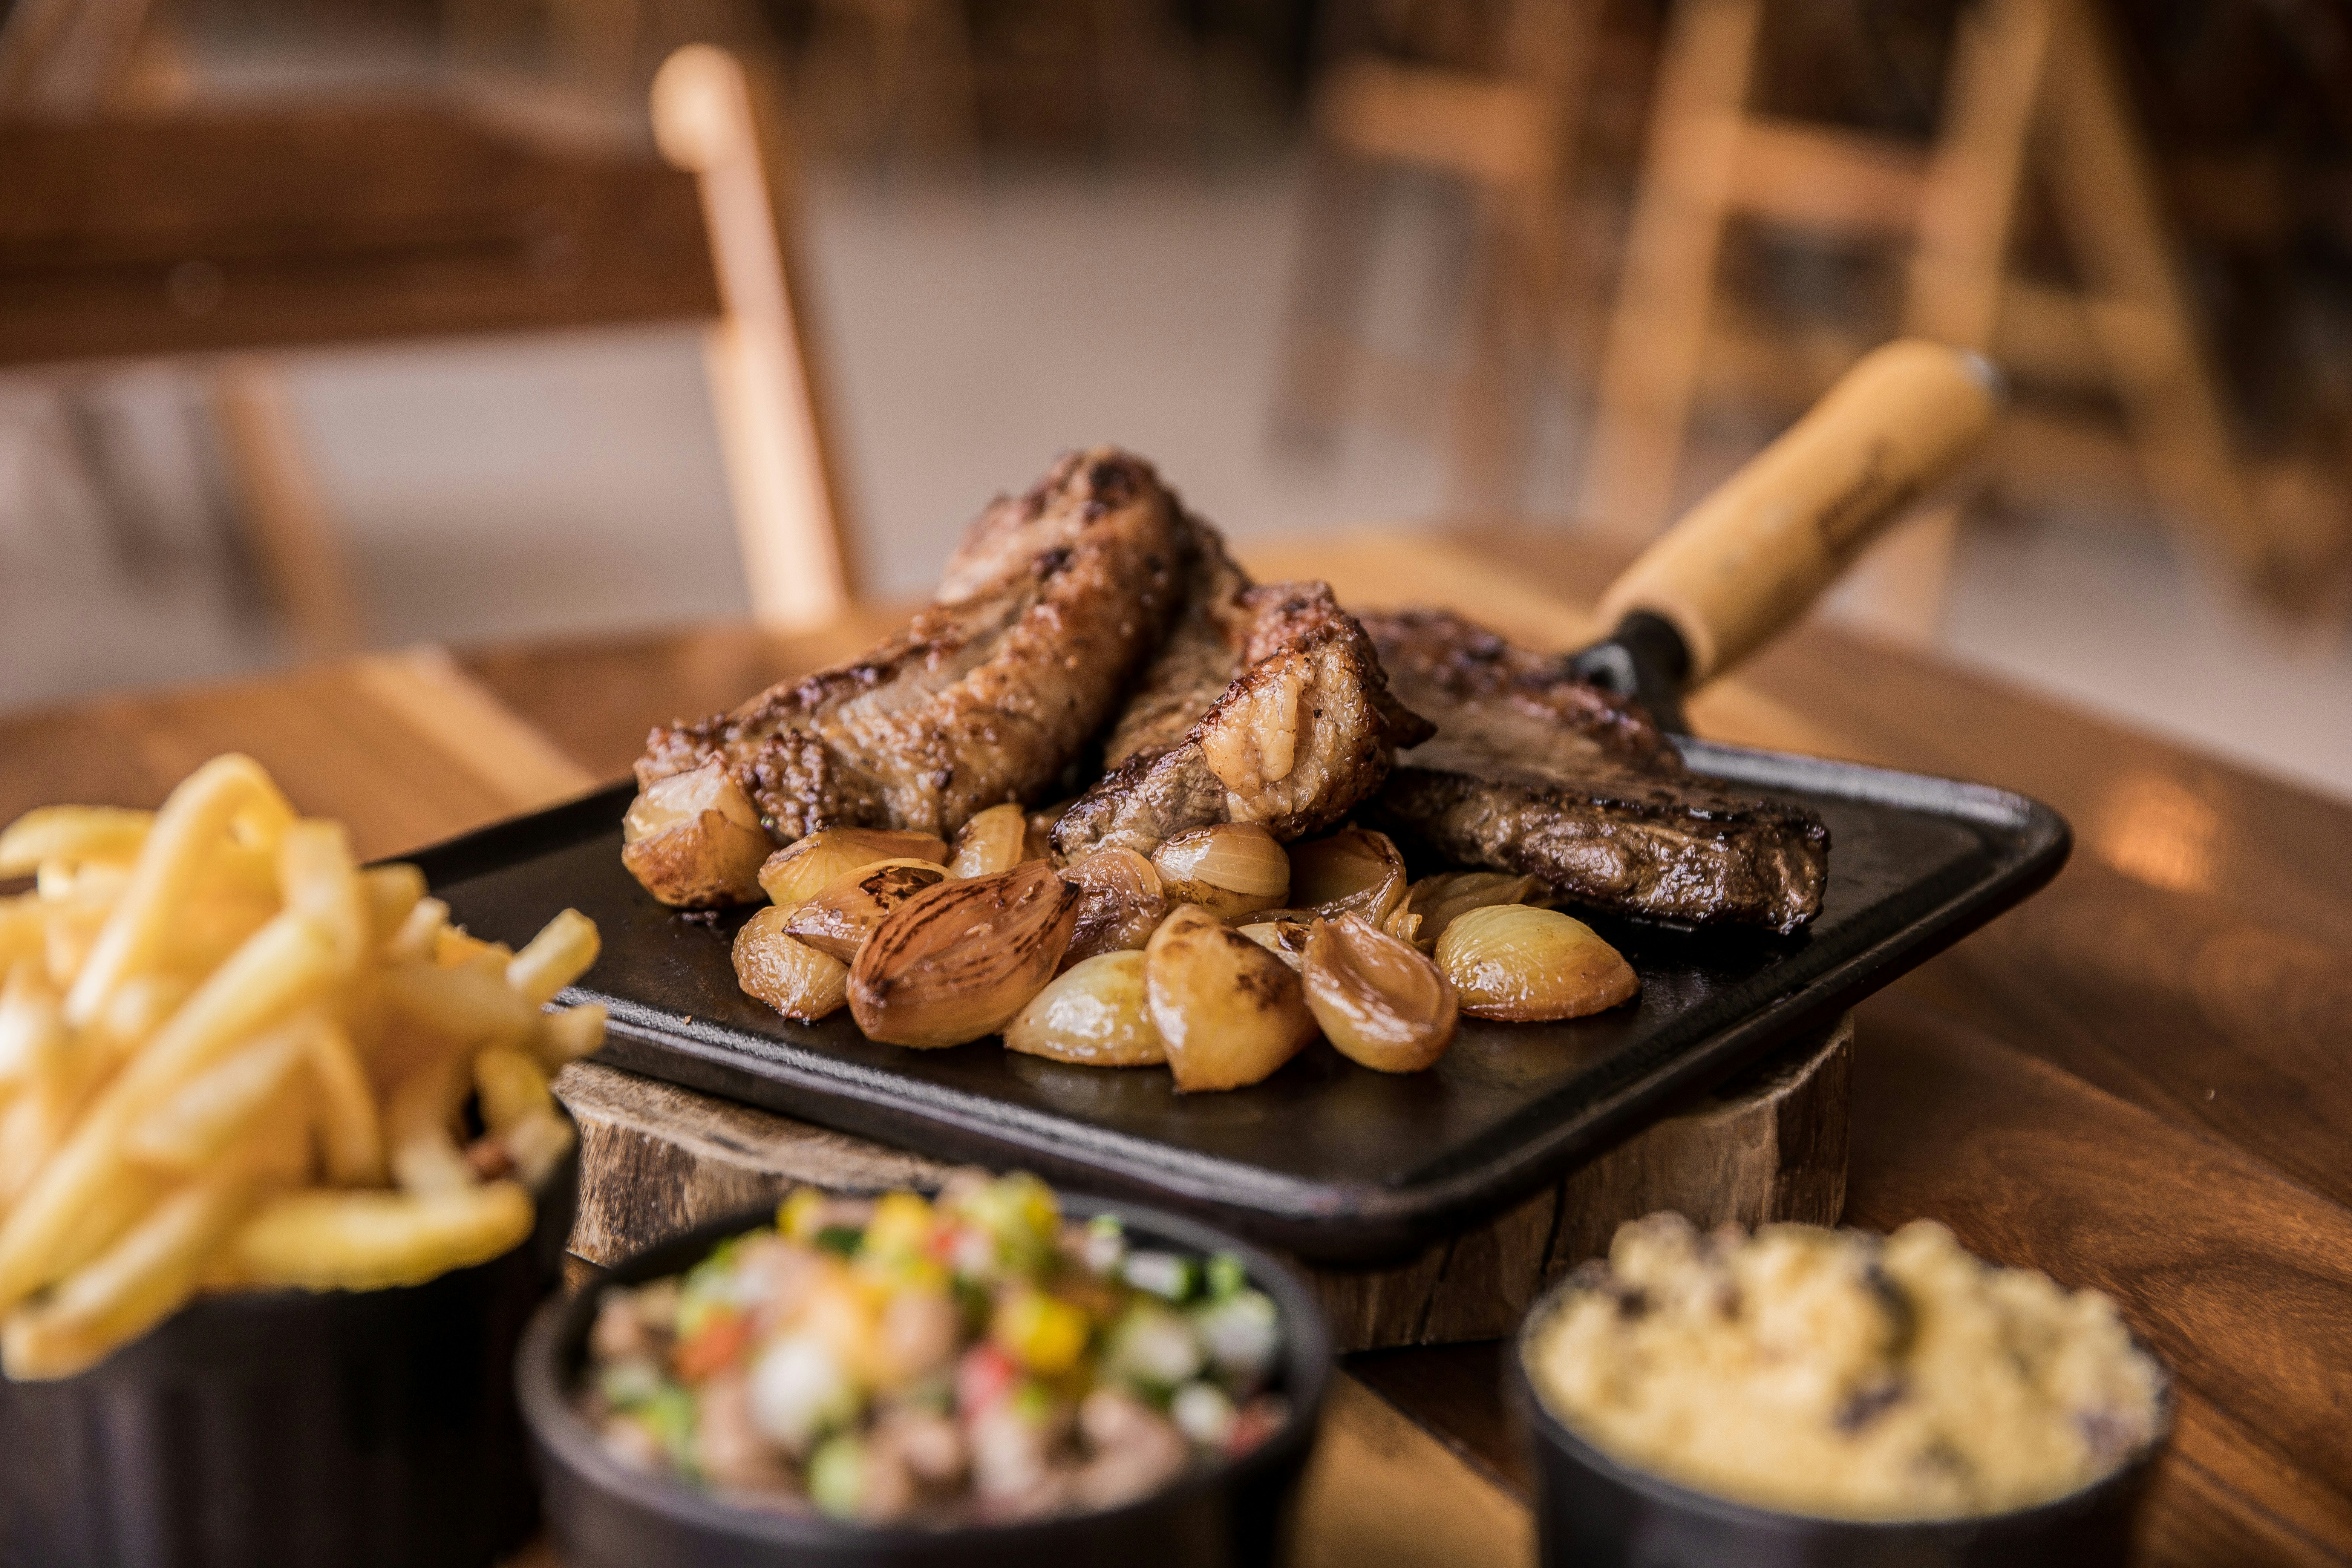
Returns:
(1337, 1163)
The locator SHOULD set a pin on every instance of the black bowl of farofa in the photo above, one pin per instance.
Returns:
(604, 1513)
(259, 1428)
(1594, 1510)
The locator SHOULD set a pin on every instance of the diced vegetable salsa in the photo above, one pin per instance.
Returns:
(973, 1359)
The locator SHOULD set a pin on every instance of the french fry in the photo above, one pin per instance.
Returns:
(560, 955)
(226, 791)
(518, 1108)
(393, 892)
(32, 1023)
(24, 929)
(194, 1124)
(72, 833)
(350, 1132)
(325, 1240)
(285, 964)
(418, 933)
(131, 1286)
(205, 1009)
(467, 1004)
(318, 877)
(419, 1145)
(568, 1035)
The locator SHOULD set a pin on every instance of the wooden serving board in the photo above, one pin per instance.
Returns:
(658, 1160)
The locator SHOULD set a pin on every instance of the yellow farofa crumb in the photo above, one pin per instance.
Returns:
(1833, 1374)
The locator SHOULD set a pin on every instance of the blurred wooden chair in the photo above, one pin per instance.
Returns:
(223, 233)
(2034, 90)
(1507, 135)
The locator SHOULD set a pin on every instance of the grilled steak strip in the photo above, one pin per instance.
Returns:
(1048, 611)
(1268, 706)
(1535, 771)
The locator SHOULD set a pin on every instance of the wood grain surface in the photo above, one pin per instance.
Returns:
(2138, 1081)
(658, 1160)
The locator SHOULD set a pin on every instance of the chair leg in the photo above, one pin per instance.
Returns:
(1650, 367)
(291, 532)
(1899, 589)
(1327, 296)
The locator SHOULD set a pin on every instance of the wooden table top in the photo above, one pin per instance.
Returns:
(2139, 1081)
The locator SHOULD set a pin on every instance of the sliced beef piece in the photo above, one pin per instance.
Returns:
(1537, 771)
(1047, 614)
(1267, 706)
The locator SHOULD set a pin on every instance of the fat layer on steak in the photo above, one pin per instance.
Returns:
(1047, 613)
(1535, 771)
(1267, 705)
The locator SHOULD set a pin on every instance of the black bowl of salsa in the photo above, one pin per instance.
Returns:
(606, 1512)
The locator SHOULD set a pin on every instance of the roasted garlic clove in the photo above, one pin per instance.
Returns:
(839, 919)
(806, 867)
(1039, 845)
(1120, 904)
(1354, 871)
(1380, 1001)
(1229, 1012)
(1228, 868)
(694, 840)
(1095, 1014)
(995, 840)
(788, 974)
(959, 959)
(1514, 962)
(1284, 938)
(1439, 899)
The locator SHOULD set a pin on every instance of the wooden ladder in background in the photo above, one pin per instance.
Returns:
(2033, 89)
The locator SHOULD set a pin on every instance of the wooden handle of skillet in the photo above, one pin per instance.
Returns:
(1748, 559)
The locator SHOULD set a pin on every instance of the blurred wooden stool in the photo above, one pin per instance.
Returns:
(1508, 137)
(2033, 89)
(219, 234)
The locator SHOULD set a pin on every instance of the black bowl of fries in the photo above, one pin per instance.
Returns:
(281, 1184)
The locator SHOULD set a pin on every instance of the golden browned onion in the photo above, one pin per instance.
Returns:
(791, 976)
(1380, 1001)
(1094, 1014)
(1354, 871)
(839, 919)
(1509, 961)
(1120, 904)
(995, 840)
(1229, 1012)
(806, 867)
(693, 839)
(1439, 899)
(1228, 868)
(957, 960)
(1284, 938)
(1039, 845)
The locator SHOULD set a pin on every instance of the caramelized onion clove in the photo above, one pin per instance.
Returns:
(1439, 899)
(1354, 871)
(839, 919)
(1229, 1012)
(1120, 904)
(959, 959)
(693, 840)
(1228, 868)
(789, 976)
(1380, 1001)
(1095, 1014)
(806, 867)
(995, 840)
(1284, 937)
(1526, 964)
